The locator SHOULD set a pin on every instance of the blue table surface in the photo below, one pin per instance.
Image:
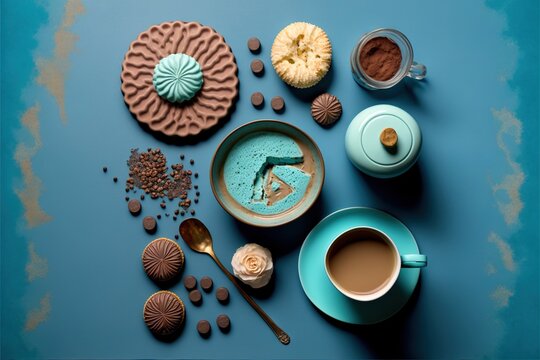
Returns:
(71, 278)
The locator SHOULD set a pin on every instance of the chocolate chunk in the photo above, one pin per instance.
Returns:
(326, 109)
(257, 67)
(163, 260)
(206, 283)
(134, 207)
(150, 224)
(190, 282)
(222, 294)
(257, 100)
(254, 45)
(204, 328)
(278, 104)
(164, 313)
(223, 322)
(195, 297)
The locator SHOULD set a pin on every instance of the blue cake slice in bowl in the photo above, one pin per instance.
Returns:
(267, 173)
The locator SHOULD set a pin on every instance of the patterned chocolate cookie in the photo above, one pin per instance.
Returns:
(164, 313)
(326, 109)
(163, 259)
(209, 105)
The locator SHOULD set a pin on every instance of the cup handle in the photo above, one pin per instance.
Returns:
(413, 260)
(417, 71)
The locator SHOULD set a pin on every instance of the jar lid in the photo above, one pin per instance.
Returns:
(383, 141)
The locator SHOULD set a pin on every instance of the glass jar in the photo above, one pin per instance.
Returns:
(408, 66)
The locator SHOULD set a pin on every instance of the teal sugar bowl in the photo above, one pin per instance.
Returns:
(383, 141)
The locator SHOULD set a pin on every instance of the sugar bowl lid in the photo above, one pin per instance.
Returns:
(383, 141)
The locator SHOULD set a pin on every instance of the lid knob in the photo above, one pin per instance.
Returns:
(389, 138)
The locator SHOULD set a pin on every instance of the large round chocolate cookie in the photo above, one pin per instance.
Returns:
(163, 260)
(164, 313)
(210, 104)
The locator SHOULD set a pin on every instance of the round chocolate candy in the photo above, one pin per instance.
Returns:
(195, 297)
(223, 322)
(163, 260)
(257, 100)
(134, 207)
(150, 224)
(190, 282)
(278, 104)
(222, 294)
(254, 45)
(204, 328)
(326, 109)
(206, 283)
(257, 67)
(164, 313)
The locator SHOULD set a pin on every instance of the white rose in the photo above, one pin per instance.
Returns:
(252, 264)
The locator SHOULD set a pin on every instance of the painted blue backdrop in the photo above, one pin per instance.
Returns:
(71, 279)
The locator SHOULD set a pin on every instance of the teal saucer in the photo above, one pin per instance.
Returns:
(325, 296)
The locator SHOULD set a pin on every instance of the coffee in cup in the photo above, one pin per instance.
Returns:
(364, 263)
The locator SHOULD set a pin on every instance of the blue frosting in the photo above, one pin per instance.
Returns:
(248, 167)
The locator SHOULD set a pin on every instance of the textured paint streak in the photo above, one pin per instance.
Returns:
(30, 192)
(37, 267)
(501, 296)
(491, 269)
(511, 183)
(52, 71)
(507, 255)
(37, 316)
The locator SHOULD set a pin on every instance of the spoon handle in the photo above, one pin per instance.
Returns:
(281, 335)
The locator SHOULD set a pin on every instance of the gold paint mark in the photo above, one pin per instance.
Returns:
(52, 72)
(491, 269)
(511, 184)
(501, 296)
(507, 254)
(37, 267)
(37, 316)
(30, 192)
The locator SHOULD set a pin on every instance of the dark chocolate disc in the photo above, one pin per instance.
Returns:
(278, 104)
(190, 282)
(134, 207)
(150, 224)
(195, 297)
(204, 328)
(222, 294)
(223, 322)
(163, 260)
(254, 45)
(164, 313)
(206, 283)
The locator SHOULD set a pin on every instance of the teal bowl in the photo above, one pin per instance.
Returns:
(312, 159)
